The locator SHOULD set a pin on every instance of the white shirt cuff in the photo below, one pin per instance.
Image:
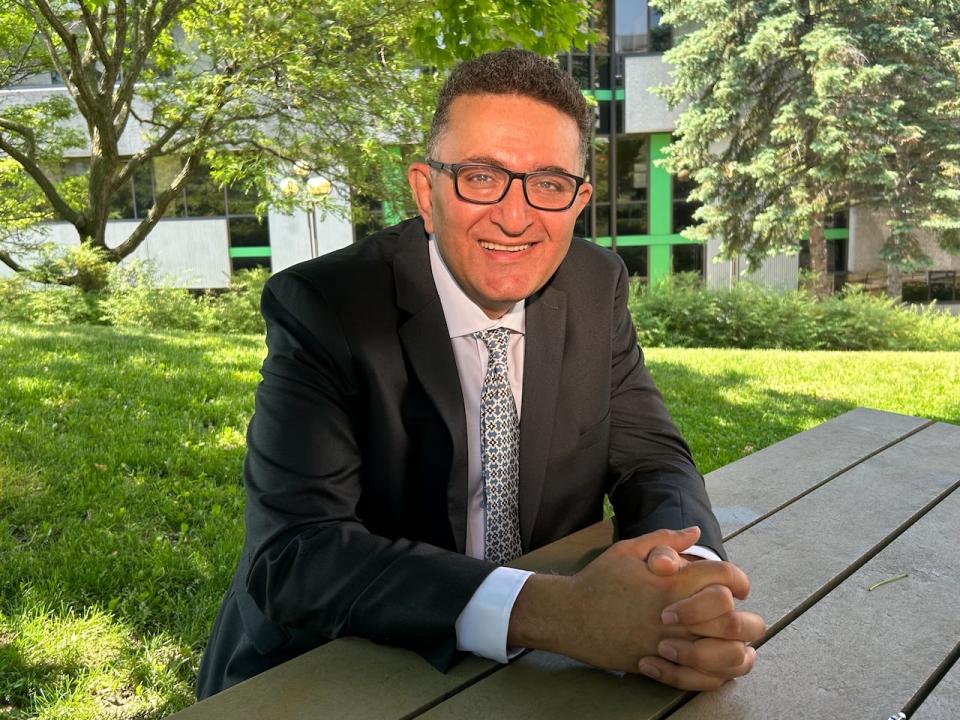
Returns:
(484, 621)
(702, 552)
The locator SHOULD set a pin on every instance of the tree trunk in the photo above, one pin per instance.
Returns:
(818, 258)
(894, 281)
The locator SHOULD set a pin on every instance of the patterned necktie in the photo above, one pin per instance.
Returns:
(500, 452)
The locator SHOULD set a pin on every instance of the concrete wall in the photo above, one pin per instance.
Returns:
(780, 271)
(130, 142)
(290, 236)
(189, 252)
(645, 112)
(868, 232)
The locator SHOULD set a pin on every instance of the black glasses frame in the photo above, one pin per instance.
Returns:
(455, 168)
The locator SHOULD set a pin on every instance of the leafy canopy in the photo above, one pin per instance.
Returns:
(798, 109)
(248, 88)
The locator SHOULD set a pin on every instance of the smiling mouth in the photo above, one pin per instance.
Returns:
(504, 248)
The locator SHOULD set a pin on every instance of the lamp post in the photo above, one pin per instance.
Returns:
(316, 188)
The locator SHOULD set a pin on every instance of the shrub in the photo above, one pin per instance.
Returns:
(133, 299)
(237, 310)
(681, 312)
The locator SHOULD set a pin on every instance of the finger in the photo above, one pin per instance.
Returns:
(679, 540)
(709, 655)
(664, 560)
(738, 625)
(707, 604)
(687, 678)
(701, 574)
(678, 676)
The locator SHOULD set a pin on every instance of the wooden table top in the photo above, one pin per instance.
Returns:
(816, 521)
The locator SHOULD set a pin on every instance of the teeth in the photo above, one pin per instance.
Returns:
(506, 248)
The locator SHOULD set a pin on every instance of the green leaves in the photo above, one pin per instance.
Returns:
(797, 112)
(344, 87)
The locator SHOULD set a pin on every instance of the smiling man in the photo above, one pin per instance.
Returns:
(458, 390)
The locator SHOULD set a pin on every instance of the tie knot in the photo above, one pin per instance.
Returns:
(495, 339)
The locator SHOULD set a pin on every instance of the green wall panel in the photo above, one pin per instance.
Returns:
(634, 240)
(246, 252)
(659, 262)
(661, 188)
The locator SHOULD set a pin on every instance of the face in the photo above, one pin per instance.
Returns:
(500, 253)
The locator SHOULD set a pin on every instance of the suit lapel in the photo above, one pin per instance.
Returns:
(543, 356)
(426, 342)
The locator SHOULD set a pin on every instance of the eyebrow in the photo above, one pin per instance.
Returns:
(488, 160)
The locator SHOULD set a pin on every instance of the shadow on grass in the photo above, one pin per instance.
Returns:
(133, 446)
(20, 679)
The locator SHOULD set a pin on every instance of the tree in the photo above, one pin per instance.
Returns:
(245, 87)
(799, 109)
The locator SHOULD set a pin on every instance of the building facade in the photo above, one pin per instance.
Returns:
(638, 209)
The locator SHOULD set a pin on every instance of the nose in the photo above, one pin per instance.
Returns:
(512, 214)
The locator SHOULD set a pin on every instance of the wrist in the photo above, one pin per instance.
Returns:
(543, 611)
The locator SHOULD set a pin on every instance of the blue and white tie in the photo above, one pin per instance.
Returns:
(500, 452)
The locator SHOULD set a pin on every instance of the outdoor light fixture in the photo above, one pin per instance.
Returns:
(317, 188)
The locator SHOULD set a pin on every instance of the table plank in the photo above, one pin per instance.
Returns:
(858, 653)
(794, 543)
(944, 702)
(796, 465)
(348, 679)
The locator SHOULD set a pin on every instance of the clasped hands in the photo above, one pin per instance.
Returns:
(642, 607)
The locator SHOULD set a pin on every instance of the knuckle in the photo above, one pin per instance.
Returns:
(732, 625)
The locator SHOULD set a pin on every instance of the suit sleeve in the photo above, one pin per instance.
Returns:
(313, 565)
(654, 482)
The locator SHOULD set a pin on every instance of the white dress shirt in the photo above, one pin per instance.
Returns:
(483, 624)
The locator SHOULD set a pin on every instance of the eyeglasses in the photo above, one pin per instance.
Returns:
(489, 184)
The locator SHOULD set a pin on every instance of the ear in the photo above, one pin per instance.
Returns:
(583, 196)
(418, 175)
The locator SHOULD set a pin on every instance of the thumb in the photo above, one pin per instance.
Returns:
(678, 540)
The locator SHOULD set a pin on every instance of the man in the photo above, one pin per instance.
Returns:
(460, 389)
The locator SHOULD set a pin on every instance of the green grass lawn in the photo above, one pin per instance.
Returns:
(121, 502)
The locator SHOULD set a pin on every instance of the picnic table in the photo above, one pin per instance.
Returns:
(849, 533)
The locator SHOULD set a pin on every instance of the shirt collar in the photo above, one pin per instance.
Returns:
(463, 316)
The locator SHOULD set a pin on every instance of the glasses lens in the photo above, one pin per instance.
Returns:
(550, 191)
(482, 183)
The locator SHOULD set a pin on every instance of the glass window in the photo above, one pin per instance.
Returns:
(639, 28)
(204, 197)
(241, 201)
(635, 258)
(632, 218)
(836, 255)
(143, 189)
(165, 171)
(603, 117)
(633, 167)
(603, 219)
(688, 258)
(249, 263)
(601, 169)
(121, 203)
(838, 220)
(683, 207)
(248, 232)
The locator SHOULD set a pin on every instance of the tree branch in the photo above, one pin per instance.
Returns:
(160, 205)
(74, 80)
(7, 260)
(94, 32)
(24, 131)
(60, 205)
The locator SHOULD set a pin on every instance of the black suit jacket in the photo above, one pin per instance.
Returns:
(356, 469)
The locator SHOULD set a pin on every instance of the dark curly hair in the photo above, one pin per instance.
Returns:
(513, 72)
